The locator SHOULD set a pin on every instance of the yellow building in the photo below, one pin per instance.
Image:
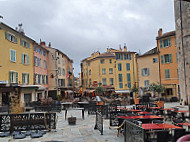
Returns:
(168, 56)
(115, 69)
(16, 61)
(148, 70)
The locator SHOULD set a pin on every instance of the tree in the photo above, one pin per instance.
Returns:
(158, 88)
(99, 91)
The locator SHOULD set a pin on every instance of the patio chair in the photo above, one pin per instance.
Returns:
(176, 121)
(157, 121)
(178, 133)
(162, 136)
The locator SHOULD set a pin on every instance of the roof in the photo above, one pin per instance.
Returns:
(104, 55)
(150, 52)
(63, 54)
(16, 31)
(168, 34)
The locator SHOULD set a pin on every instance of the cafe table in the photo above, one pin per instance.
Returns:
(155, 107)
(134, 110)
(153, 126)
(141, 117)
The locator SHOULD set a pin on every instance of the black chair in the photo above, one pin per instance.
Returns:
(176, 121)
(162, 136)
(178, 133)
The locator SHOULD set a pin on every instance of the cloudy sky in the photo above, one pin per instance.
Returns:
(81, 27)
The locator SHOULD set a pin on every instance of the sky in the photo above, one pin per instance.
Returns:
(80, 27)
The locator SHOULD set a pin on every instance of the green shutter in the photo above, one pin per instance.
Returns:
(16, 41)
(169, 42)
(11, 55)
(148, 71)
(142, 72)
(161, 43)
(23, 78)
(22, 58)
(27, 60)
(162, 59)
(16, 77)
(21, 42)
(170, 58)
(10, 77)
(28, 78)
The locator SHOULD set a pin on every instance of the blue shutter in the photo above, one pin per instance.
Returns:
(10, 73)
(27, 60)
(170, 58)
(22, 58)
(162, 59)
(148, 73)
(17, 77)
(28, 79)
(129, 85)
(142, 72)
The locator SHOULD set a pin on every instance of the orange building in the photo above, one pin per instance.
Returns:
(168, 62)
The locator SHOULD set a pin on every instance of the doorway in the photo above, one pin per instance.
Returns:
(27, 99)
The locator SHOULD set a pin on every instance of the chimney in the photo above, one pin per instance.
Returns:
(120, 49)
(43, 43)
(49, 44)
(21, 30)
(160, 32)
(125, 47)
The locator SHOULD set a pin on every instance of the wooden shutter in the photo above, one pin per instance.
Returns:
(27, 60)
(22, 58)
(21, 42)
(162, 59)
(169, 41)
(170, 58)
(16, 41)
(23, 78)
(16, 77)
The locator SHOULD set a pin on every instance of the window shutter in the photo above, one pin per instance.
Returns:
(27, 60)
(28, 45)
(23, 78)
(129, 56)
(161, 44)
(6, 35)
(22, 58)
(142, 72)
(16, 41)
(169, 42)
(148, 71)
(16, 77)
(10, 77)
(21, 42)
(162, 59)
(28, 79)
(170, 58)
(14, 56)
(11, 55)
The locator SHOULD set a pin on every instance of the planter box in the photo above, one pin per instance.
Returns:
(72, 120)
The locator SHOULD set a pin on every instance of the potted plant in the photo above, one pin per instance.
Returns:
(72, 120)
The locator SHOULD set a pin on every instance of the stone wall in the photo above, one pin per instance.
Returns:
(182, 24)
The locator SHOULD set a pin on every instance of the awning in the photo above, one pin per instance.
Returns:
(122, 91)
(69, 91)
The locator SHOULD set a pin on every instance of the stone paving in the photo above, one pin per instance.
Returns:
(83, 131)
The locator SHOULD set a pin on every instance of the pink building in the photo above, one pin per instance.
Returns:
(41, 71)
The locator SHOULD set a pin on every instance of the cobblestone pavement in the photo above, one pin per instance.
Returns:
(83, 131)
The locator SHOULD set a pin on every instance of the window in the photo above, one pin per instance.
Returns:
(167, 58)
(35, 78)
(110, 70)
(38, 62)
(128, 77)
(34, 48)
(161, 43)
(11, 37)
(167, 73)
(63, 62)
(88, 64)
(111, 81)
(43, 79)
(145, 72)
(103, 81)
(102, 61)
(119, 66)
(12, 55)
(120, 85)
(63, 72)
(119, 56)
(25, 78)
(155, 60)
(127, 56)
(35, 61)
(24, 43)
(38, 50)
(13, 77)
(128, 66)
(103, 71)
(129, 85)
(44, 53)
(146, 83)
(46, 79)
(25, 59)
(110, 61)
(59, 70)
(89, 72)
(120, 78)
(45, 64)
(167, 42)
(58, 60)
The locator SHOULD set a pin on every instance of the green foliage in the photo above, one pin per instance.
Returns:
(134, 89)
(157, 88)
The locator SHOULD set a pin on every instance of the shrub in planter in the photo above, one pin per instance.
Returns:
(72, 120)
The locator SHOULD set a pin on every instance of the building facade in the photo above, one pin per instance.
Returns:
(16, 71)
(168, 62)
(182, 19)
(41, 71)
(112, 69)
(60, 72)
(148, 70)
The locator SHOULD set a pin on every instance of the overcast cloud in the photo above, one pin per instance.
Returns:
(80, 27)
